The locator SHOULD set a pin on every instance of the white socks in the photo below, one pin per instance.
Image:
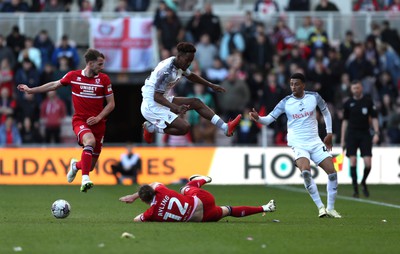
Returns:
(331, 188)
(311, 187)
(217, 121)
(85, 178)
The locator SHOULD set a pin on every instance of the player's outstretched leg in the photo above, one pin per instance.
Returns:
(199, 180)
(232, 126)
(148, 135)
(72, 170)
(333, 214)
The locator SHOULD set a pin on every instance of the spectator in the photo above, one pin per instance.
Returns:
(347, 46)
(129, 165)
(15, 6)
(210, 24)
(394, 7)
(28, 107)
(6, 53)
(160, 14)
(16, 41)
(390, 62)
(206, 52)
(122, 7)
(393, 126)
(264, 8)
(325, 5)
(47, 74)
(260, 50)
(366, 5)
(139, 5)
(6, 76)
(304, 31)
(27, 74)
(45, 45)
(64, 92)
(52, 112)
(298, 5)
(204, 132)
(9, 133)
(53, 6)
(67, 50)
(200, 93)
(295, 57)
(236, 97)
(248, 28)
(7, 104)
(371, 55)
(170, 30)
(358, 67)
(319, 38)
(217, 72)
(29, 133)
(232, 41)
(90, 5)
(318, 57)
(193, 32)
(390, 36)
(31, 53)
(283, 38)
(247, 130)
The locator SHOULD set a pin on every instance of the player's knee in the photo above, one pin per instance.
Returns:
(185, 128)
(197, 103)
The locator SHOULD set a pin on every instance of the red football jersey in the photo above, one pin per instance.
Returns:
(169, 206)
(88, 94)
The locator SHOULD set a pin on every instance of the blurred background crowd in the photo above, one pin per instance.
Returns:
(251, 56)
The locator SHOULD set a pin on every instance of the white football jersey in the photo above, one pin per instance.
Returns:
(301, 118)
(162, 79)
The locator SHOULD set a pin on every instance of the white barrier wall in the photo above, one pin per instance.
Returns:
(275, 166)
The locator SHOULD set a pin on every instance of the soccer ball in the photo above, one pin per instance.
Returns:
(60, 209)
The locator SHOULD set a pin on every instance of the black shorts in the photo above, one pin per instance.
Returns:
(358, 139)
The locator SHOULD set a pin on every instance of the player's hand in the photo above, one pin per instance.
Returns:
(93, 120)
(217, 88)
(23, 88)
(328, 141)
(375, 139)
(127, 199)
(254, 115)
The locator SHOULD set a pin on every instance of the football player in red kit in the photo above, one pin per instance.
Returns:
(90, 88)
(193, 204)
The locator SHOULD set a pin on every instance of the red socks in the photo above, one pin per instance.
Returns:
(241, 211)
(86, 160)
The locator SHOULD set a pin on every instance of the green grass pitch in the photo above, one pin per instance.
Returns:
(98, 219)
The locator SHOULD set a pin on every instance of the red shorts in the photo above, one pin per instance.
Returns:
(81, 128)
(211, 212)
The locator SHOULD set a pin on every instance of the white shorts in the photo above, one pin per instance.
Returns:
(157, 114)
(316, 153)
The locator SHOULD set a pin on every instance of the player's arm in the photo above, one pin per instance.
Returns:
(51, 86)
(328, 125)
(177, 109)
(129, 198)
(197, 79)
(110, 105)
(138, 218)
(343, 130)
(375, 125)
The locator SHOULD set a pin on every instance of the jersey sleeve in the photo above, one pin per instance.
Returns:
(372, 109)
(346, 110)
(321, 102)
(66, 80)
(107, 85)
(279, 109)
(186, 73)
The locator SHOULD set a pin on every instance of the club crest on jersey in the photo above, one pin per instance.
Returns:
(81, 127)
(78, 79)
(364, 111)
(97, 81)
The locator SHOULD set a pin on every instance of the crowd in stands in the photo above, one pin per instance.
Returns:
(250, 60)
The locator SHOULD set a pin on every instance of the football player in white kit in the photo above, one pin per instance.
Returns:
(162, 110)
(300, 109)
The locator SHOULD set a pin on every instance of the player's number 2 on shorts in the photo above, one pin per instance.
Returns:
(182, 209)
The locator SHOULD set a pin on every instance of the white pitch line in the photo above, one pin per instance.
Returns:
(294, 189)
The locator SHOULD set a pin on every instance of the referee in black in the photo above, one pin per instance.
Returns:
(359, 113)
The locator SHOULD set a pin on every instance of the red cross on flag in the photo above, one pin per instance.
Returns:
(126, 42)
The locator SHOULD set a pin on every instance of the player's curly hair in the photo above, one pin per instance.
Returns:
(146, 193)
(299, 76)
(92, 55)
(186, 47)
